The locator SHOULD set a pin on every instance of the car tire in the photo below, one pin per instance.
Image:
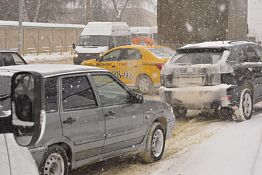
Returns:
(145, 85)
(54, 161)
(155, 144)
(245, 109)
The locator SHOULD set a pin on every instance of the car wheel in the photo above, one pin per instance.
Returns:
(145, 84)
(155, 144)
(180, 112)
(245, 109)
(54, 162)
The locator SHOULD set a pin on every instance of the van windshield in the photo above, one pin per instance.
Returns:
(93, 40)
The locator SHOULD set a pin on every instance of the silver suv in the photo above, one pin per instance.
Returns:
(92, 116)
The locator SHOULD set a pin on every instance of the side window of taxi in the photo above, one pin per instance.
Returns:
(133, 54)
(112, 56)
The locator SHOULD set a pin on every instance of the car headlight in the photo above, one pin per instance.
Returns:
(75, 55)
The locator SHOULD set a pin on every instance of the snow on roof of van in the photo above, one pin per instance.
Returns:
(106, 28)
(50, 69)
(216, 44)
(35, 24)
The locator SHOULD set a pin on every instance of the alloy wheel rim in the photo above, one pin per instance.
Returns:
(247, 104)
(54, 165)
(158, 143)
(144, 85)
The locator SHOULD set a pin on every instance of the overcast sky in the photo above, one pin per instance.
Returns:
(255, 17)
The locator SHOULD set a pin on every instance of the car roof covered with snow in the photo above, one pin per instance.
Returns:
(48, 70)
(216, 45)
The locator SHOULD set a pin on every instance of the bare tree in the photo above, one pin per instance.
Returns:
(119, 6)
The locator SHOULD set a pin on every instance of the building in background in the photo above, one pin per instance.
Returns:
(181, 22)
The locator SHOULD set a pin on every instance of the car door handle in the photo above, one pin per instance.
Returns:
(113, 66)
(69, 120)
(109, 114)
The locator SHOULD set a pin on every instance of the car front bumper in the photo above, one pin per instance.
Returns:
(196, 98)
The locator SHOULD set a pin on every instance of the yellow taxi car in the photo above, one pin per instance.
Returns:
(137, 66)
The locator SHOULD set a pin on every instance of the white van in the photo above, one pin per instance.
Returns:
(98, 37)
(21, 126)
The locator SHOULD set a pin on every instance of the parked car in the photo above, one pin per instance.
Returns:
(92, 116)
(137, 66)
(222, 76)
(23, 125)
(8, 58)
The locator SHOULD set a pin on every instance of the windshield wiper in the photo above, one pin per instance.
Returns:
(4, 97)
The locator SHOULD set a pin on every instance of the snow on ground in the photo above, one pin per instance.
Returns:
(235, 150)
(45, 57)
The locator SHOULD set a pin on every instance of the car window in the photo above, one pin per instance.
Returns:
(110, 91)
(258, 50)
(237, 54)
(197, 58)
(112, 56)
(133, 54)
(7, 59)
(51, 94)
(251, 55)
(77, 93)
(17, 59)
(5, 89)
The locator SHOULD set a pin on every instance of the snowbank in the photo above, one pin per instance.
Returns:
(47, 58)
(235, 150)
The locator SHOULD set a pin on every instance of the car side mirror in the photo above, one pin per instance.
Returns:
(28, 115)
(99, 58)
(137, 98)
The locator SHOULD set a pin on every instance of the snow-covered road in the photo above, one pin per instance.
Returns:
(235, 150)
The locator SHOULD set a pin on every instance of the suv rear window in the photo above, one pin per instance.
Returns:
(210, 57)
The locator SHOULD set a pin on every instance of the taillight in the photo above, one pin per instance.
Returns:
(159, 65)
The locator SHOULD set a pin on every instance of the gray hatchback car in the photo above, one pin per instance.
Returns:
(92, 116)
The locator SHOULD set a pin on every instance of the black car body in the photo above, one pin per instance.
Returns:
(223, 76)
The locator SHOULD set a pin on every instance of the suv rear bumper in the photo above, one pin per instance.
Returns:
(197, 98)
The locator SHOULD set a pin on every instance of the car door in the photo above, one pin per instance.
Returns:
(109, 61)
(129, 65)
(124, 120)
(82, 119)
